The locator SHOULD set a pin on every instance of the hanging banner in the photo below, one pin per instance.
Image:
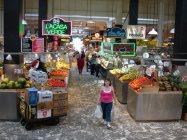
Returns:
(38, 45)
(124, 49)
(26, 45)
(115, 32)
(136, 32)
(56, 26)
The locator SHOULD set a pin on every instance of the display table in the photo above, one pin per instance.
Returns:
(104, 71)
(9, 105)
(158, 106)
(121, 90)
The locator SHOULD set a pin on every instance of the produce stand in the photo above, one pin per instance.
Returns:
(121, 90)
(8, 105)
(154, 106)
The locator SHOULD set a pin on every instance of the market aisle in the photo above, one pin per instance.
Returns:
(80, 124)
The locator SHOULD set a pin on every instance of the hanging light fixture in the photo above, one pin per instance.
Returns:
(153, 31)
(172, 31)
(9, 57)
(90, 19)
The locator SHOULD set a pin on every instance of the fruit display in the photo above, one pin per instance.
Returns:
(18, 84)
(169, 83)
(139, 83)
(116, 71)
(56, 83)
(59, 73)
(60, 65)
(130, 76)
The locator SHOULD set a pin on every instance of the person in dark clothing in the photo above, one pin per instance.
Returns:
(93, 62)
(97, 66)
(41, 66)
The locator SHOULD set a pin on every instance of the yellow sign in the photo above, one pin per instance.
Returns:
(151, 43)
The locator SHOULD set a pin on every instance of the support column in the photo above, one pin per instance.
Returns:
(12, 29)
(133, 15)
(180, 40)
(160, 23)
(119, 12)
(42, 14)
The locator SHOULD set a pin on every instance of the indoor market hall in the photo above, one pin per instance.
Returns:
(81, 124)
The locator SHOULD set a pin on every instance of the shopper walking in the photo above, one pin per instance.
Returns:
(97, 65)
(80, 62)
(106, 101)
(92, 64)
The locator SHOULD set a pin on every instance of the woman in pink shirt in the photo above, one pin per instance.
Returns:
(106, 99)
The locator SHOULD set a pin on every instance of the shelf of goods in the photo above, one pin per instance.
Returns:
(154, 105)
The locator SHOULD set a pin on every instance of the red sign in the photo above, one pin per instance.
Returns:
(38, 45)
(184, 78)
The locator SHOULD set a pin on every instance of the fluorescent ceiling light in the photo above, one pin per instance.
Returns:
(153, 32)
(172, 31)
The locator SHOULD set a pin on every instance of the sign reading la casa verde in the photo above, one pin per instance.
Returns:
(56, 26)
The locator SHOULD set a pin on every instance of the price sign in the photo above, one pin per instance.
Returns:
(184, 78)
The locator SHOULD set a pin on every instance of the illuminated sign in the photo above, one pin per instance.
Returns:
(136, 32)
(124, 49)
(67, 40)
(150, 43)
(115, 32)
(56, 26)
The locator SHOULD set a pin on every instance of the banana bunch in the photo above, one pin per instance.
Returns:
(130, 76)
(116, 71)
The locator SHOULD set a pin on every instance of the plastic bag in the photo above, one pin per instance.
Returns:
(98, 113)
(113, 113)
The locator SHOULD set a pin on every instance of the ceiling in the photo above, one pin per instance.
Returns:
(103, 12)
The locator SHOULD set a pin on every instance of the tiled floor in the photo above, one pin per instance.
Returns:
(81, 125)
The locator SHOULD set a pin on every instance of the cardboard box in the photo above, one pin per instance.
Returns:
(31, 96)
(60, 103)
(59, 96)
(43, 113)
(45, 96)
(60, 111)
(45, 105)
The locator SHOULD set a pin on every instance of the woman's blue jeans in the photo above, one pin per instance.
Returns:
(106, 108)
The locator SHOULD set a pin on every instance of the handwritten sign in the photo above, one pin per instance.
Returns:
(26, 45)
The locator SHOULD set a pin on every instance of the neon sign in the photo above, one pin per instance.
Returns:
(115, 32)
(124, 49)
(56, 26)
